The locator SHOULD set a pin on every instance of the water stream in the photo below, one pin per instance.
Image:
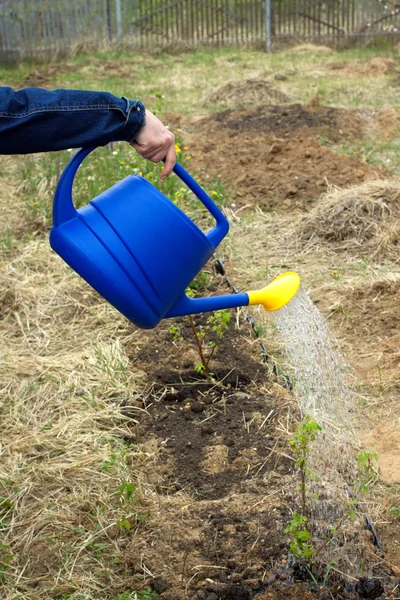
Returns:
(323, 382)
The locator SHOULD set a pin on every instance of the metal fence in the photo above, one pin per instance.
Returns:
(42, 28)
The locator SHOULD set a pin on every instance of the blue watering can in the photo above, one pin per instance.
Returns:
(140, 251)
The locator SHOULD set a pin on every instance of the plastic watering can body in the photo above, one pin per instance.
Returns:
(133, 245)
(140, 251)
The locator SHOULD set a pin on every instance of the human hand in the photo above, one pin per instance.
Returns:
(155, 142)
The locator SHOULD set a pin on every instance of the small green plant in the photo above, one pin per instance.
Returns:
(306, 433)
(301, 544)
(147, 594)
(175, 331)
(201, 282)
(217, 323)
(124, 524)
(367, 470)
(127, 491)
(394, 511)
(5, 559)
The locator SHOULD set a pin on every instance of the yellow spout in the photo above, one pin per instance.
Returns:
(277, 293)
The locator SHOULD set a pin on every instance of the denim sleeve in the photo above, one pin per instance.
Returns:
(37, 120)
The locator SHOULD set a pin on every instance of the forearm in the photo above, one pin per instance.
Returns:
(36, 120)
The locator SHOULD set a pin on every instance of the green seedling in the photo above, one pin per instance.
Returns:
(201, 282)
(124, 524)
(394, 511)
(127, 491)
(217, 323)
(367, 470)
(5, 559)
(306, 433)
(175, 331)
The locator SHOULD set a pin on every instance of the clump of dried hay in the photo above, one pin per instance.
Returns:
(247, 92)
(366, 216)
(313, 48)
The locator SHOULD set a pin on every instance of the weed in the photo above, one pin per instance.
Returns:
(124, 524)
(217, 323)
(367, 470)
(127, 491)
(115, 458)
(175, 331)
(394, 511)
(145, 594)
(5, 559)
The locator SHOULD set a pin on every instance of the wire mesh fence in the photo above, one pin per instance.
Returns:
(42, 28)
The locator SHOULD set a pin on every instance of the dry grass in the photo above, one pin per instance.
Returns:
(312, 48)
(365, 217)
(65, 466)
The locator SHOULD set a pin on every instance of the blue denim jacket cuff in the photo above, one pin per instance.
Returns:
(135, 119)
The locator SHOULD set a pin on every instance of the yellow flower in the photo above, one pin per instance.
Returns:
(189, 157)
(122, 162)
(140, 173)
(186, 147)
(179, 129)
(214, 193)
(178, 148)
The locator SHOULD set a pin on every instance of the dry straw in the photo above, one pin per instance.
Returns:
(365, 217)
(64, 375)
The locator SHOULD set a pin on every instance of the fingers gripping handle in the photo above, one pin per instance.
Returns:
(63, 207)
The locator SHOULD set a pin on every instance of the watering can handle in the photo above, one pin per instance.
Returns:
(216, 235)
(63, 207)
(64, 210)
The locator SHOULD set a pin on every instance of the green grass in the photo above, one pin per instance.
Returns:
(182, 80)
(382, 153)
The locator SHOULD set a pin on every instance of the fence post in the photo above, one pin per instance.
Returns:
(118, 19)
(268, 25)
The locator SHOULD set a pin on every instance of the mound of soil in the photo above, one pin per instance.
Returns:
(247, 92)
(272, 157)
(41, 77)
(366, 216)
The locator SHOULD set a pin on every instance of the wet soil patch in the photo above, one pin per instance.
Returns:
(215, 432)
(275, 157)
(209, 442)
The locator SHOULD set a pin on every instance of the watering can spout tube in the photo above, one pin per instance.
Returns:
(193, 306)
(272, 297)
